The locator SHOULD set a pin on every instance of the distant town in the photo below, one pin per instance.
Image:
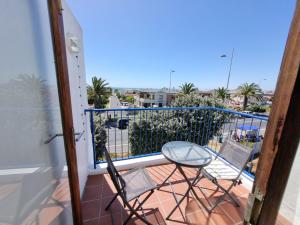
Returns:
(248, 97)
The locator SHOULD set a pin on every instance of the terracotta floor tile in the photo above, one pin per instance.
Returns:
(151, 199)
(158, 174)
(192, 207)
(241, 190)
(235, 213)
(220, 217)
(62, 191)
(169, 205)
(92, 222)
(116, 206)
(92, 193)
(90, 210)
(94, 180)
(111, 219)
(164, 193)
(281, 220)
(49, 214)
(180, 188)
(154, 217)
(108, 189)
(200, 218)
(162, 201)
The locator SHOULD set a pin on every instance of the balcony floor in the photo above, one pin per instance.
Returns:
(99, 191)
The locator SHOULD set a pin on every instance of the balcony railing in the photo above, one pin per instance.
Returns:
(140, 132)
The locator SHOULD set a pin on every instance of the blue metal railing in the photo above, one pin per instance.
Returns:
(139, 132)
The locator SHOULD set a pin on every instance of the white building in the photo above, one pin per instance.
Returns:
(150, 98)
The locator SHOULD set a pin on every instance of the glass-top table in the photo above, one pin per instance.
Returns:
(186, 154)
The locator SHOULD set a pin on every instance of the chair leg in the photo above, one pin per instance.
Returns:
(227, 192)
(138, 216)
(109, 204)
(142, 219)
(128, 218)
(198, 180)
(134, 210)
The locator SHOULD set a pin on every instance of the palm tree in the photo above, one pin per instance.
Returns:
(249, 91)
(222, 93)
(187, 88)
(98, 92)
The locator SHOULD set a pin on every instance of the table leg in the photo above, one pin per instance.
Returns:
(163, 183)
(187, 192)
(191, 187)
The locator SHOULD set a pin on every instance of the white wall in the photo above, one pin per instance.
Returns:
(290, 205)
(77, 79)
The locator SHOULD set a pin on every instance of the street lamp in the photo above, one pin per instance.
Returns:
(261, 80)
(224, 56)
(171, 71)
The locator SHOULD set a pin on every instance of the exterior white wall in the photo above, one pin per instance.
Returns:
(160, 97)
(290, 205)
(155, 98)
(77, 79)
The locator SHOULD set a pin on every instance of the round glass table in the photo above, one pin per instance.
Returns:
(186, 154)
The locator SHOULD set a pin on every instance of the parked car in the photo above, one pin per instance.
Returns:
(123, 124)
(124, 105)
(247, 132)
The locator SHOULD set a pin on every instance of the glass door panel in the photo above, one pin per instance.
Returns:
(34, 187)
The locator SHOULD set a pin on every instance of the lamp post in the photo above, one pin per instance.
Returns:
(261, 80)
(171, 71)
(224, 56)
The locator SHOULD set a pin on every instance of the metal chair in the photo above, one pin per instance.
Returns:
(228, 165)
(130, 186)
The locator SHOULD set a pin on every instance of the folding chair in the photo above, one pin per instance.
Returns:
(228, 165)
(130, 186)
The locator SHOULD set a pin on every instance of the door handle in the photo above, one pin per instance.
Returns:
(61, 134)
(79, 134)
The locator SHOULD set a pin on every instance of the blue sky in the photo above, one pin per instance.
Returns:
(135, 43)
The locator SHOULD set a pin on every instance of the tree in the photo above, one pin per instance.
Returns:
(222, 93)
(249, 91)
(100, 135)
(129, 99)
(187, 88)
(98, 92)
(150, 130)
(257, 108)
(118, 94)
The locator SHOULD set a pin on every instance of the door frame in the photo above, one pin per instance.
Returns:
(59, 48)
(282, 135)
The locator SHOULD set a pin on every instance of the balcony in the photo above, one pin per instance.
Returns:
(141, 132)
(137, 141)
(99, 190)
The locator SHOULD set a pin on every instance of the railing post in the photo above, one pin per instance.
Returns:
(93, 136)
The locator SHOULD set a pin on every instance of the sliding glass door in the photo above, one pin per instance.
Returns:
(34, 187)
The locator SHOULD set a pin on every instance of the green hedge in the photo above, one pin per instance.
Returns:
(150, 130)
(100, 135)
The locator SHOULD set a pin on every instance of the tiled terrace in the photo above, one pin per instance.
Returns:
(99, 190)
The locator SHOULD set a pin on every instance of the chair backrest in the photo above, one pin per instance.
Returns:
(235, 153)
(119, 183)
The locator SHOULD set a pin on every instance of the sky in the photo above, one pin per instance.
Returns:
(135, 43)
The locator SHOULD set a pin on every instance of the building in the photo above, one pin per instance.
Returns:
(171, 97)
(205, 93)
(150, 98)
